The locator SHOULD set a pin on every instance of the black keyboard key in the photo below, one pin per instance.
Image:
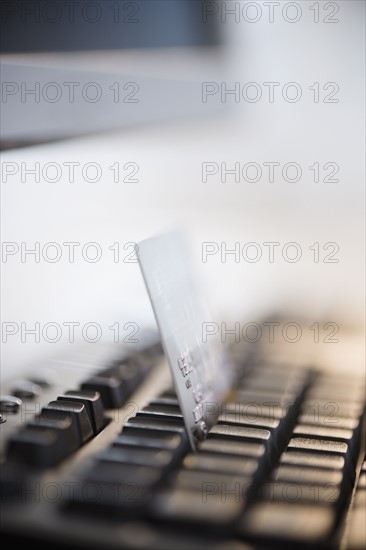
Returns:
(93, 404)
(164, 411)
(131, 371)
(352, 394)
(47, 439)
(10, 404)
(77, 412)
(233, 447)
(45, 379)
(247, 435)
(168, 401)
(318, 445)
(192, 508)
(314, 476)
(111, 487)
(240, 432)
(156, 423)
(315, 419)
(323, 432)
(168, 393)
(276, 382)
(293, 492)
(141, 456)
(294, 523)
(155, 439)
(118, 381)
(261, 422)
(332, 410)
(112, 390)
(68, 431)
(37, 446)
(268, 407)
(258, 397)
(106, 471)
(208, 483)
(313, 460)
(218, 463)
(198, 479)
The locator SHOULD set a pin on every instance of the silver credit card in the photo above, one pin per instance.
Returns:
(201, 372)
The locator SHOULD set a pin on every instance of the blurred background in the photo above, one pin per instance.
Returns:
(124, 119)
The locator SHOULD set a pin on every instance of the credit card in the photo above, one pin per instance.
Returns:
(201, 371)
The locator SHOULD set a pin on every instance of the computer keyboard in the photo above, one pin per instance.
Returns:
(99, 457)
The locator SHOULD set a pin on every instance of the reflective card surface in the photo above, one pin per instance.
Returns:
(200, 370)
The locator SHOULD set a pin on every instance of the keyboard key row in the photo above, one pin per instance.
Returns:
(215, 485)
(306, 494)
(60, 429)
(75, 417)
(265, 472)
(116, 383)
(140, 457)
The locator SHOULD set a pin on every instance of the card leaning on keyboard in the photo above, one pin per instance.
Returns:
(201, 372)
(242, 451)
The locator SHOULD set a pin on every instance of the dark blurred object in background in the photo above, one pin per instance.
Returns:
(41, 25)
